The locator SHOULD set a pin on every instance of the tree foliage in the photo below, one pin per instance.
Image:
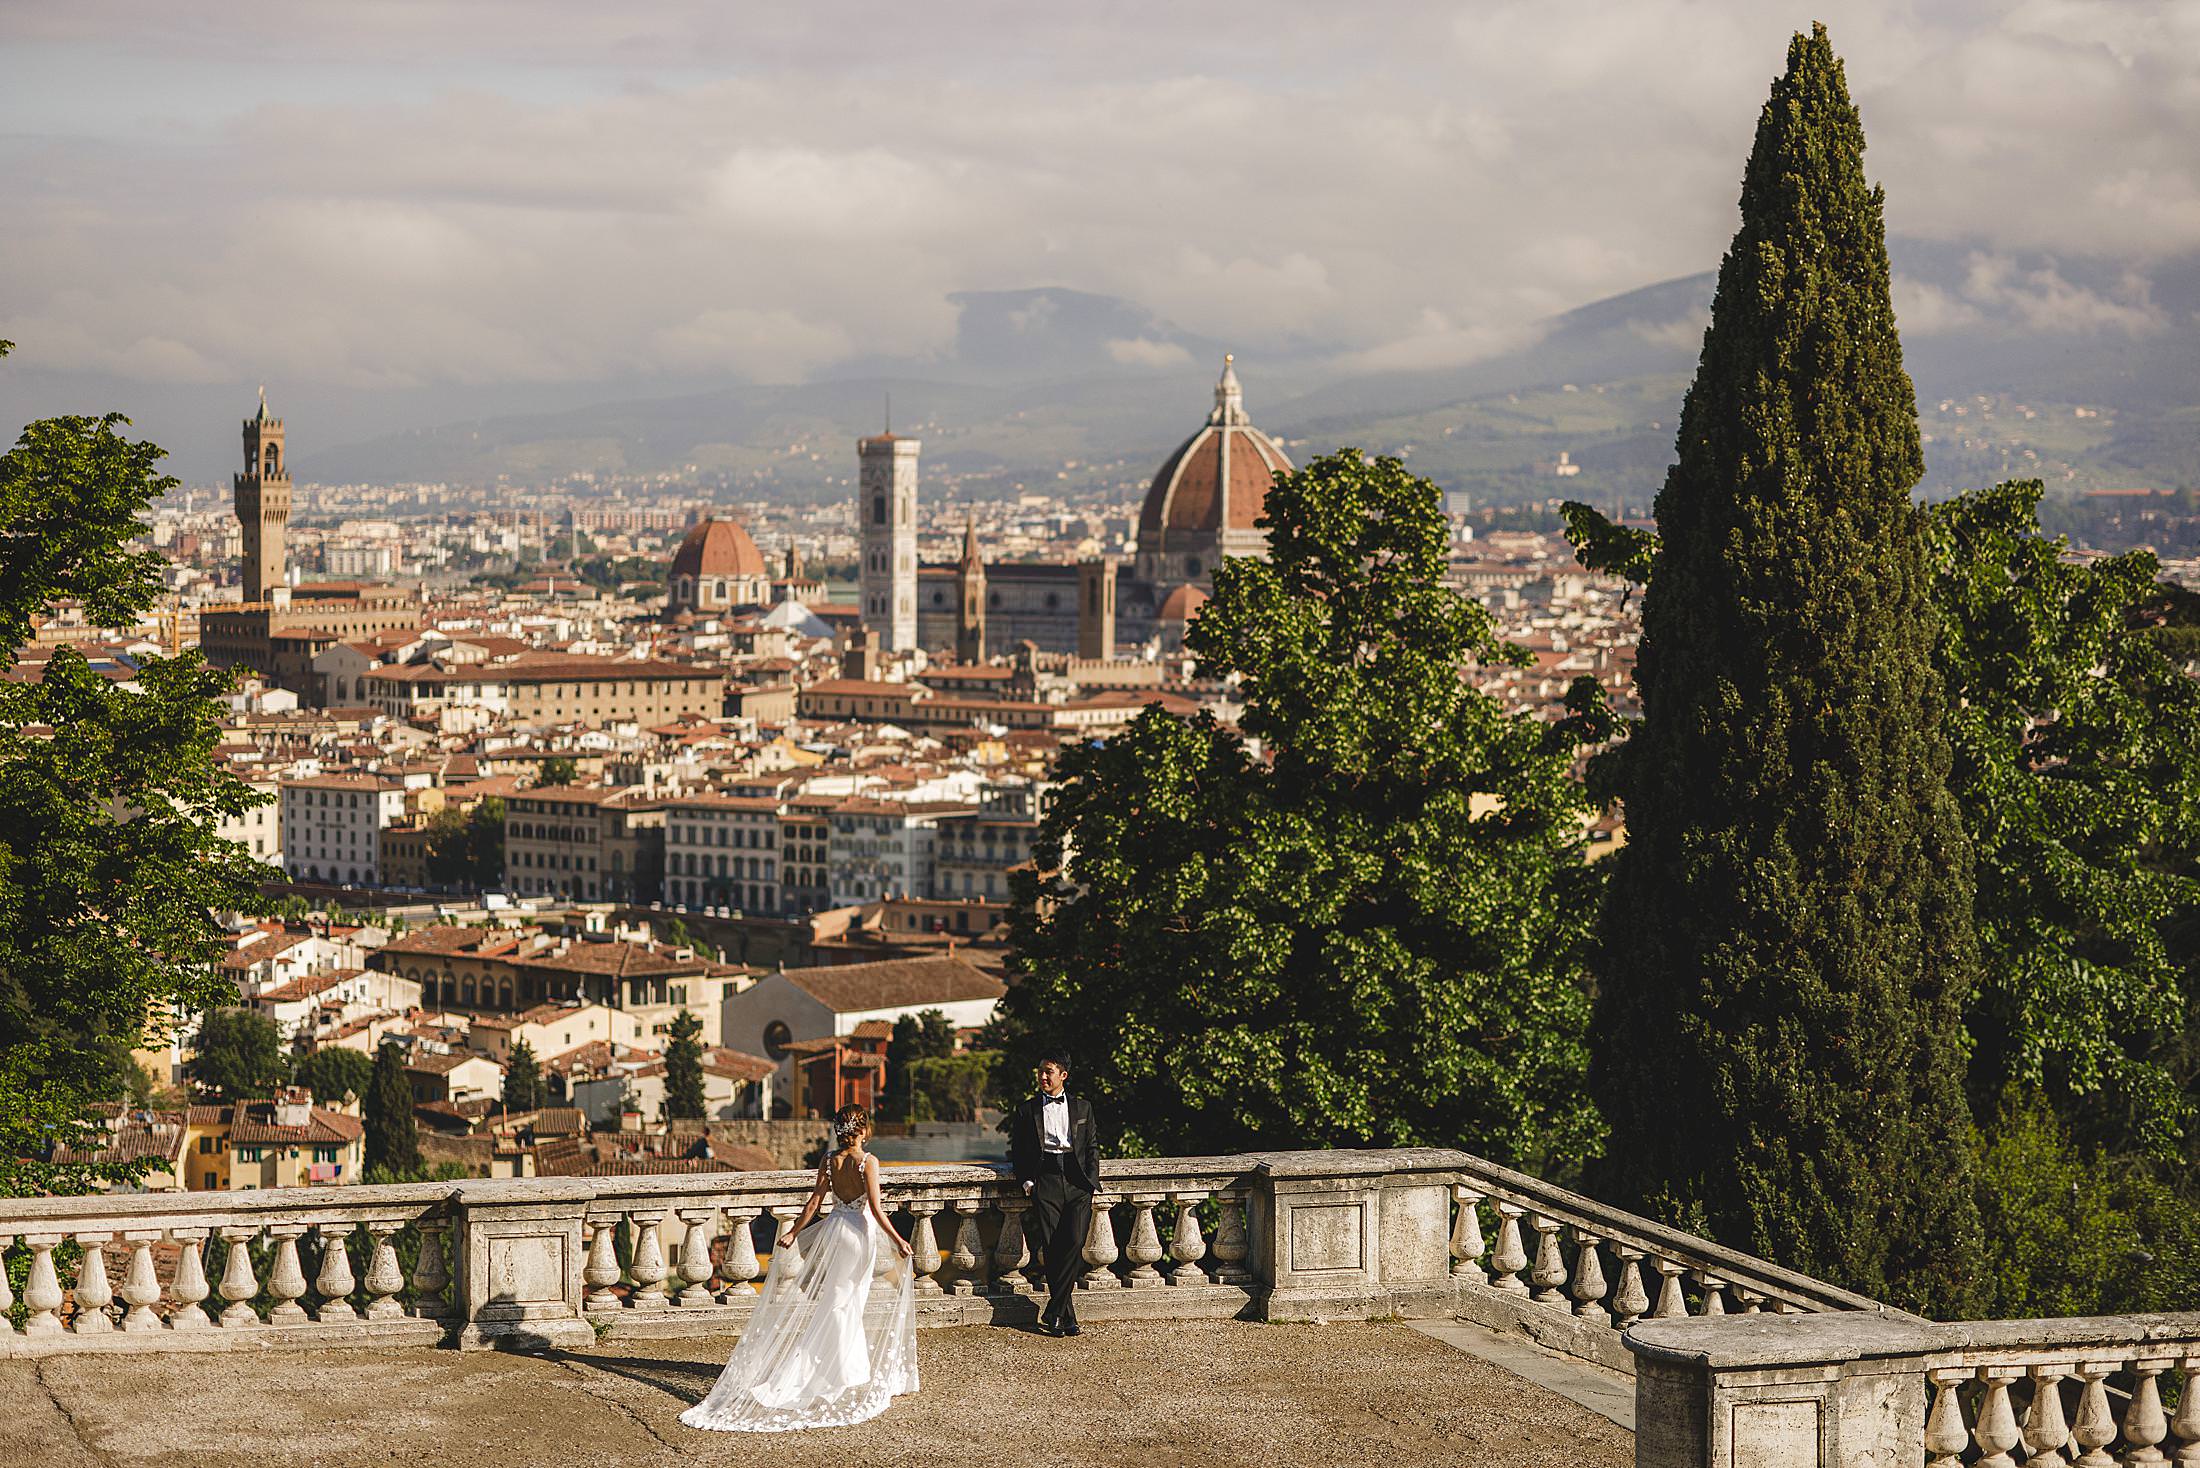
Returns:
(110, 801)
(1360, 918)
(684, 1069)
(2077, 761)
(523, 1089)
(393, 1136)
(237, 1055)
(335, 1071)
(914, 1039)
(466, 847)
(1788, 942)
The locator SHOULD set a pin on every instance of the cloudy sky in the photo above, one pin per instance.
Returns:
(424, 203)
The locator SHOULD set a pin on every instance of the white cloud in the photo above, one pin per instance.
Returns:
(1143, 351)
(557, 191)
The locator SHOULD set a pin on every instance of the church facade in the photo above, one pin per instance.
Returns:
(1203, 505)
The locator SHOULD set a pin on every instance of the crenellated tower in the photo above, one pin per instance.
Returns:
(263, 503)
(886, 509)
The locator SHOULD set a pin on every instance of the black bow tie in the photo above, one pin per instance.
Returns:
(1062, 1099)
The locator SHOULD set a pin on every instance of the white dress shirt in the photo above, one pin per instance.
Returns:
(1054, 1122)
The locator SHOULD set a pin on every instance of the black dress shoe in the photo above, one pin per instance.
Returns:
(1055, 1327)
(1070, 1329)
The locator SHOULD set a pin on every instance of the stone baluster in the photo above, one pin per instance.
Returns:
(1012, 1251)
(334, 1282)
(93, 1292)
(1714, 1293)
(1946, 1435)
(1466, 1235)
(7, 1289)
(385, 1281)
(1509, 1257)
(740, 1268)
(1231, 1246)
(602, 1271)
(1751, 1301)
(238, 1285)
(1144, 1249)
(783, 1216)
(42, 1295)
(1549, 1275)
(190, 1284)
(970, 1254)
(648, 1265)
(2186, 1424)
(2046, 1433)
(1996, 1429)
(2095, 1428)
(1100, 1250)
(2144, 1425)
(286, 1280)
(1589, 1283)
(1630, 1301)
(695, 1266)
(431, 1270)
(1672, 1301)
(140, 1285)
(1187, 1242)
(924, 1244)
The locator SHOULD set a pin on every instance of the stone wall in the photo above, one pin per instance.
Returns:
(791, 1143)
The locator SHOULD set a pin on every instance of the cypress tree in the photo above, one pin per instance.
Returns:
(684, 1069)
(393, 1140)
(1788, 941)
(522, 1079)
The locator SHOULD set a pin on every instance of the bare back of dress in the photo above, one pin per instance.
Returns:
(832, 1340)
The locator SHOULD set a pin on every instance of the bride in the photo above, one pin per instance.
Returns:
(832, 1339)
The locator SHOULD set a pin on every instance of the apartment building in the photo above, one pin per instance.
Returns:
(332, 826)
(723, 851)
(586, 843)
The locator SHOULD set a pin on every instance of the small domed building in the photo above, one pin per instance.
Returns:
(716, 569)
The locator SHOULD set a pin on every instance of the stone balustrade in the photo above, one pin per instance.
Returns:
(1414, 1232)
(1886, 1390)
(202, 1271)
(1575, 1274)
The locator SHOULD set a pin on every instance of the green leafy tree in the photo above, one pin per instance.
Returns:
(1788, 943)
(522, 1079)
(2077, 762)
(951, 1087)
(1370, 927)
(336, 1071)
(237, 1055)
(466, 848)
(684, 1069)
(558, 770)
(111, 867)
(393, 1136)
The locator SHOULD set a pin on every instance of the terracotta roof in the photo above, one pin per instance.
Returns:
(254, 1123)
(873, 1029)
(718, 548)
(894, 984)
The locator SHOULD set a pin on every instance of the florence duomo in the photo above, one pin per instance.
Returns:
(1326, 737)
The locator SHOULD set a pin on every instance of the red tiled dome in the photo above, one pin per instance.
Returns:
(718, 548)
(1219, 478)
(1182, 604)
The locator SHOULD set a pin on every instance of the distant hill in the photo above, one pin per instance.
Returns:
(1052, 387)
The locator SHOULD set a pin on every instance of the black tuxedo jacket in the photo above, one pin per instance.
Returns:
(1084, 1144)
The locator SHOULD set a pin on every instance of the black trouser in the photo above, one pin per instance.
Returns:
(1061, 1215)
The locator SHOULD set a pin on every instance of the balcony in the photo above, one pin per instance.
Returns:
(1269, 1307)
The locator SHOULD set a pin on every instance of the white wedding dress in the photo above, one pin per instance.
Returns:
(832, 1341)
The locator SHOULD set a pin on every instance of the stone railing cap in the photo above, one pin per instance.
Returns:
(1742, 1342)
(1357, 1162)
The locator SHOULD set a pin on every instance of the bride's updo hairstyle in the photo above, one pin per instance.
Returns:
(851, 1124)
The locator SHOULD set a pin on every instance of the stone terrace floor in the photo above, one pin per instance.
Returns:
(1209, 1392)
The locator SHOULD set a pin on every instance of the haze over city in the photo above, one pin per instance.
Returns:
(410, 214)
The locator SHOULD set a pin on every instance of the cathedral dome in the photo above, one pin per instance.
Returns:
(1218, 479)
(718, 548)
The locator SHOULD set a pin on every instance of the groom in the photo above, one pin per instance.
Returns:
(1055, 1152)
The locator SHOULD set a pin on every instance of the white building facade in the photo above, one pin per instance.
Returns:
(332, 826)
